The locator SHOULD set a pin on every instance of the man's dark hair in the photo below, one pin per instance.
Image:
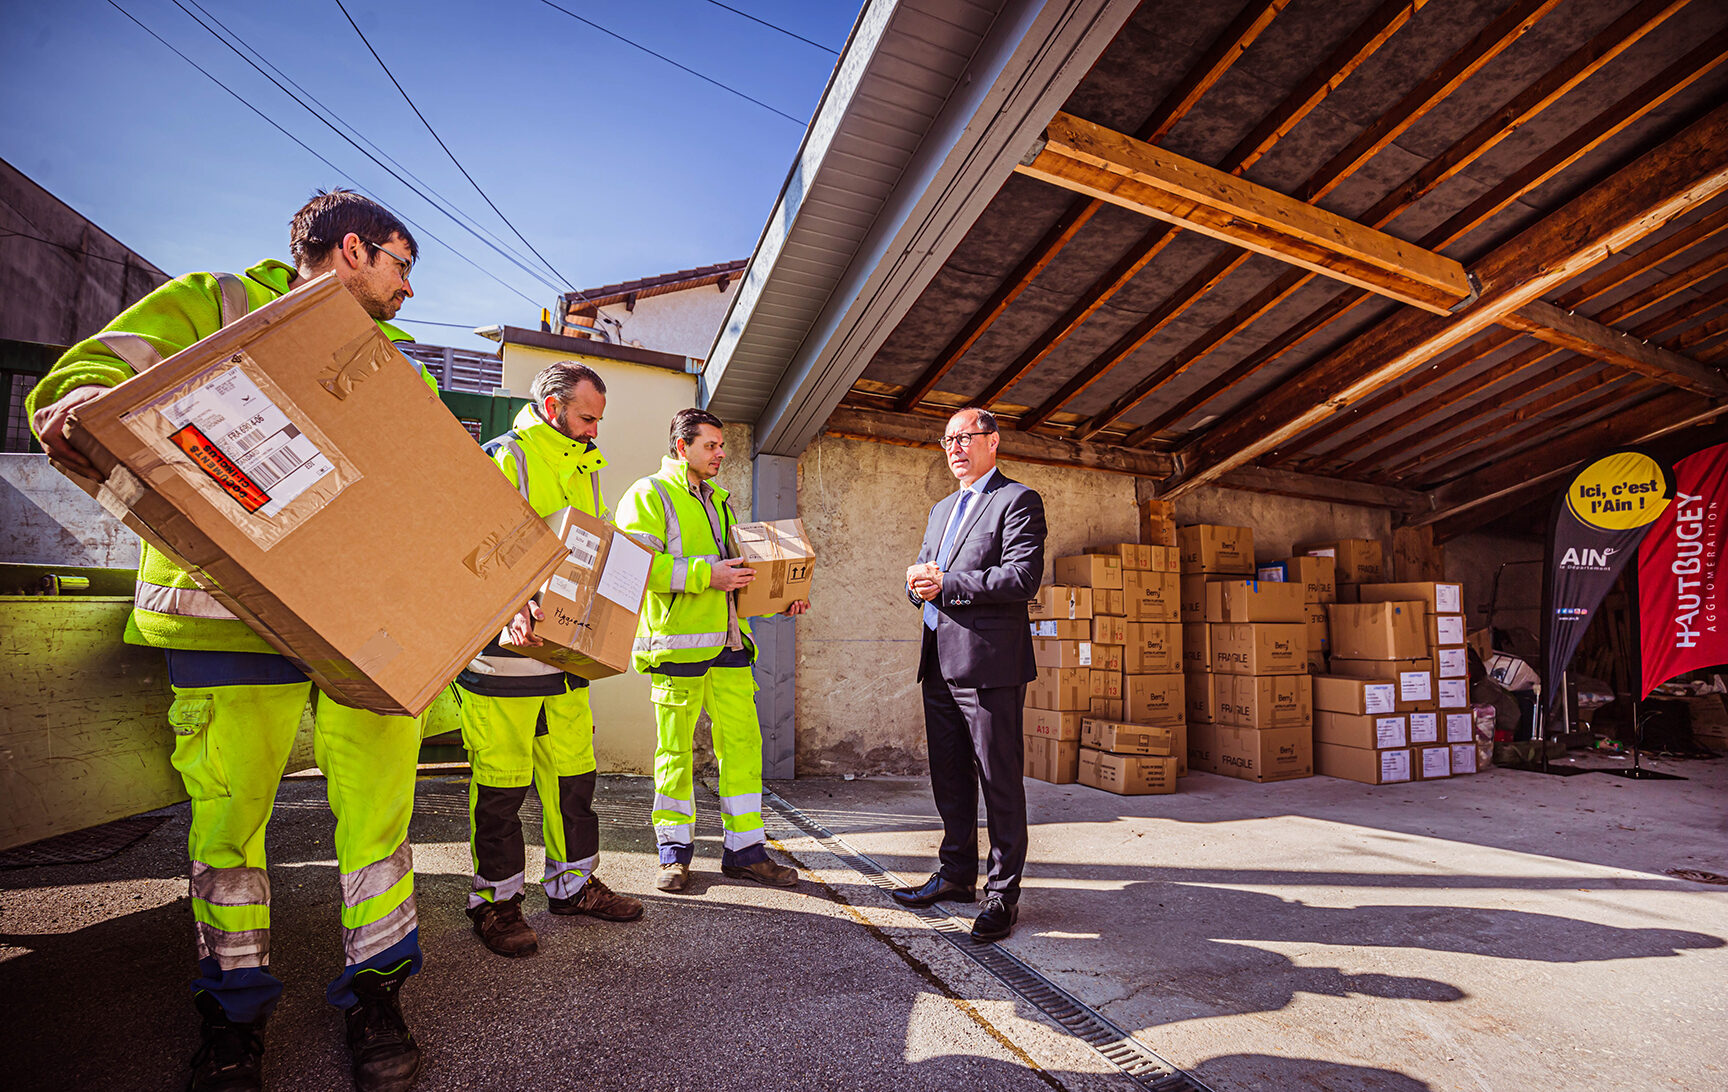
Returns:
(560, 380)
(986, 420)
(687, 422)
(323, 222)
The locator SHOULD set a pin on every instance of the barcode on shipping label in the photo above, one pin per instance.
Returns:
(233, 432)
(584, 547)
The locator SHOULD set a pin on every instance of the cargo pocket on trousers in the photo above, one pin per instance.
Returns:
(665, 692)
(195, 754)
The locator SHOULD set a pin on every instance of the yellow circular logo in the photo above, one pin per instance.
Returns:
(1619, 492)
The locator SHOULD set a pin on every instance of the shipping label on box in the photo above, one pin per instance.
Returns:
(1198, 697)
(1216, 548)
(1062, 629)
(1088, 571)
(1424, 728)
(1358, 560)
(784, 561)
(1433, 763)
(1264, 701)
(1260, 648)
(1436, 597)
(1460, 728)
(1057, 601)
(1453, 693)
(1445, 630)
(1154, 699)
(1377, 631)
(1108, 630)
(1052, 723)
(1357, 764)
(1128, 739)
(1265, 754)
(1153, 648)
(1064, 689)
(1256, 601)
(1108, 708)
(1054, 760)
(1340, 694)
(1051, 653)
(1106, 684)
(1131, 555)
(1452, 663)
(1463, 758)
(1367, 732)
(284, 460)
(1152, 597)
(590, 604)
(1196, 647)
(1127, 775)
(1110, 601)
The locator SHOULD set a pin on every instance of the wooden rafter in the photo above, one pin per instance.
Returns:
(1285, 483)
(923, 430)
(1563, 328)
(1686, 170)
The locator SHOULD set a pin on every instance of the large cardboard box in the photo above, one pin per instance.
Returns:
(1373, 733)
(590, 604)
(1154, 699)
(1263, 701)
(1059, 601)
(1377, 631)
(1424, 729)
(1196, 646)
(1260, 648)
(1123, 738)
(1128, 775)
(1064, 689)
(1257, 601)
(1063, 629)
(1203, 747)
(302, 470)
(1132, 555)
(1109, 630)
(1052, 723)
(1433, 763)
(1359, 560)
(784, 561)
(1265, 754)
(1054, 760)
(1317, 575)
(1437, 597)
(1415, 679)
(1152, 597)
(1216, 548)
(1109, 601)
(1355, 696)
(1051, 653)
(1358, 764)
(1153, 648)
(1089, 571)
(1446, 630)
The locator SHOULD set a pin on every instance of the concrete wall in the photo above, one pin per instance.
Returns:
(46, 520)
(682, 323)
(1281, 522)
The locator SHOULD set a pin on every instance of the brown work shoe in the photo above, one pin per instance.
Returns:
(500, 927)
(767, 872)
(673, 877)
(599, 901)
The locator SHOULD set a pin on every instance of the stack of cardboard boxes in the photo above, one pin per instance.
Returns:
(1443, 634)
(1356, 561)
(1261, 705)
(1061, 696)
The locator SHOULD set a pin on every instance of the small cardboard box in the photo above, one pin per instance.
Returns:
(1106, 684)
(1377, 631)
(590, 604)
(1152, 597)
(1156, 526)
(1166, 559)
(1054, 760)
(1433, 763)
(1154, 699)
(1203, 747)
(1128, 775)
(1051, 653)
(1354, 696)
(1265, 754)
(1357, 764)
(1199, 697)
(1108, 708)
(1260, 648)
(301, 469)
(1063, 629)
(1458, 727)
(1109, 630)
(1128, 739)
(1196, 646)
(1463, 759)
(784, 561)
(1132, 555)
(1452, 693)
(1258, 601)
(1153, 648)
(1057, 601)
(1424, 729)
(1452, 663)
(1109, 601)
(1052, 723)
(1216, 548)
(1089, 571)
(1437, 597)
(1375, 733)
(1264, 701)
(1063, 689)
(1317, 575)
(1415, 679)
(1446, 630)
(1360, 560)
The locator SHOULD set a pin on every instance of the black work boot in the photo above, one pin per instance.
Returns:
(385, 1056)
(232, 1056)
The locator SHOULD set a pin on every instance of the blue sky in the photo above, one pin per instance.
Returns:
(613, 163)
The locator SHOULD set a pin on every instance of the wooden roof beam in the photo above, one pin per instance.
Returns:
(925, 430)
(1568, 330)
(1686, 170)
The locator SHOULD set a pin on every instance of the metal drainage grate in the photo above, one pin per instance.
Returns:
(82, 846)
(1117, 1046)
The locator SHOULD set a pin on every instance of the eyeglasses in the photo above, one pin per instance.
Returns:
(406, 263)
(961, 440)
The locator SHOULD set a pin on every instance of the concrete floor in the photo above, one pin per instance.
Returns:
(1506, 931)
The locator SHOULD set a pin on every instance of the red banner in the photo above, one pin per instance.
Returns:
(1680, 577)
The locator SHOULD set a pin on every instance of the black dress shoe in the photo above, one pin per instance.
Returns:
(931, 891)
(996, 920)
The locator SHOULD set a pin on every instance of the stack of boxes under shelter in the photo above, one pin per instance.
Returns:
(1061, 696)
(1442, 604)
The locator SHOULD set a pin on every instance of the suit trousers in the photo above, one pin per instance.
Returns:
(974, 738)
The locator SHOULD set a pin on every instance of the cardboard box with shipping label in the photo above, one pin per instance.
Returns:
(1054, 760)
(784, 562)
(1436, 597)
(1458, 727)
(1128, 738)
(1052, 653)
(283, 461)
(1386, 767)
(1446, 630)
(1433, 763)
(1264, 754)
(1355, 696)
(1374, 733)
(1063, 689)
(1088, 571)
(1063, 629)
(1359, 560)
(1152, 597)
(1414, 679)
(1424, 729)
(1128, 775)
(1052, 723)
(1154, 699)
(1463, 759)
(1377, 631)
(1260, 648)
(1452, 693)
(1058, 601)
(1216, 548)
(1452, 663)
(1264, 701)
(590, 604)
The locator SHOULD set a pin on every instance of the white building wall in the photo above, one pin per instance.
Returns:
(683, 323)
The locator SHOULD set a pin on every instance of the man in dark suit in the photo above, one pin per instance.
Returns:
(982, 558)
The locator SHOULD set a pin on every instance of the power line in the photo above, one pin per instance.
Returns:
(684, 68)
(446, 147)
(774, 26)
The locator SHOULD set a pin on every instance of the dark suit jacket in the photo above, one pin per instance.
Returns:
(982, 632)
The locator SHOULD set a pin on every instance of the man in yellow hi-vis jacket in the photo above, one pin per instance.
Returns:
(698, 652)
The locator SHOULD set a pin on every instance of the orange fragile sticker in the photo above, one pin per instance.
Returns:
(210, 459)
